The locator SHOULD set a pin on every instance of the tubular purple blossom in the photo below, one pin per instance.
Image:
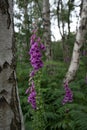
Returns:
(68, 95)
(32, 73)
(42, 47)
(32, 95)
(35, 53)
(36, 62)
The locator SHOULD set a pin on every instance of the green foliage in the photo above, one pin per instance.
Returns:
(38, 119)
(57, 47)
(51, 114)
(72, 116)
(56, 51)
(63, 16)
(69, 116)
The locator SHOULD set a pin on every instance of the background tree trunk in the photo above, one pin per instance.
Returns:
(47, 31)
(80, 38)
(10, 111)
(63, 19)
(26, 23)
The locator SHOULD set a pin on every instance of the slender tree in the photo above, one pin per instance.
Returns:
(10, 110)
(46, 25)
(80, 38)
(26, 22)
(63, 18)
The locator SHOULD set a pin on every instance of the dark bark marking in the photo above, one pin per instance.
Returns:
(11, 78)
(76, 51)
(76, 62)
(83, 27)
(5, 65)
(4, 92)
(0, 69)
(15, 127)
(2, 101)
(16, 122)
(4, 6)
(77, 43)
(81, 6)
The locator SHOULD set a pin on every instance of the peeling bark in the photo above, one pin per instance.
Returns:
(80, 38)
(10, 111)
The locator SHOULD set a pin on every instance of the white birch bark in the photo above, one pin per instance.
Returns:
(80, 38)
(10, 111)
(46, 25)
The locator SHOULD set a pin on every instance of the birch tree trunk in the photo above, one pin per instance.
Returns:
(80, 38)
(10, 111)
(47, 31)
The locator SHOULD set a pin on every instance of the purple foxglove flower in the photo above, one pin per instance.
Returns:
(32, 96)
(27, 91)
(36, 62)
(35, 45)
(35, 30)
(32, 73)
(42, 47)
(32, 39)
(38, 40)
(68, 95)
